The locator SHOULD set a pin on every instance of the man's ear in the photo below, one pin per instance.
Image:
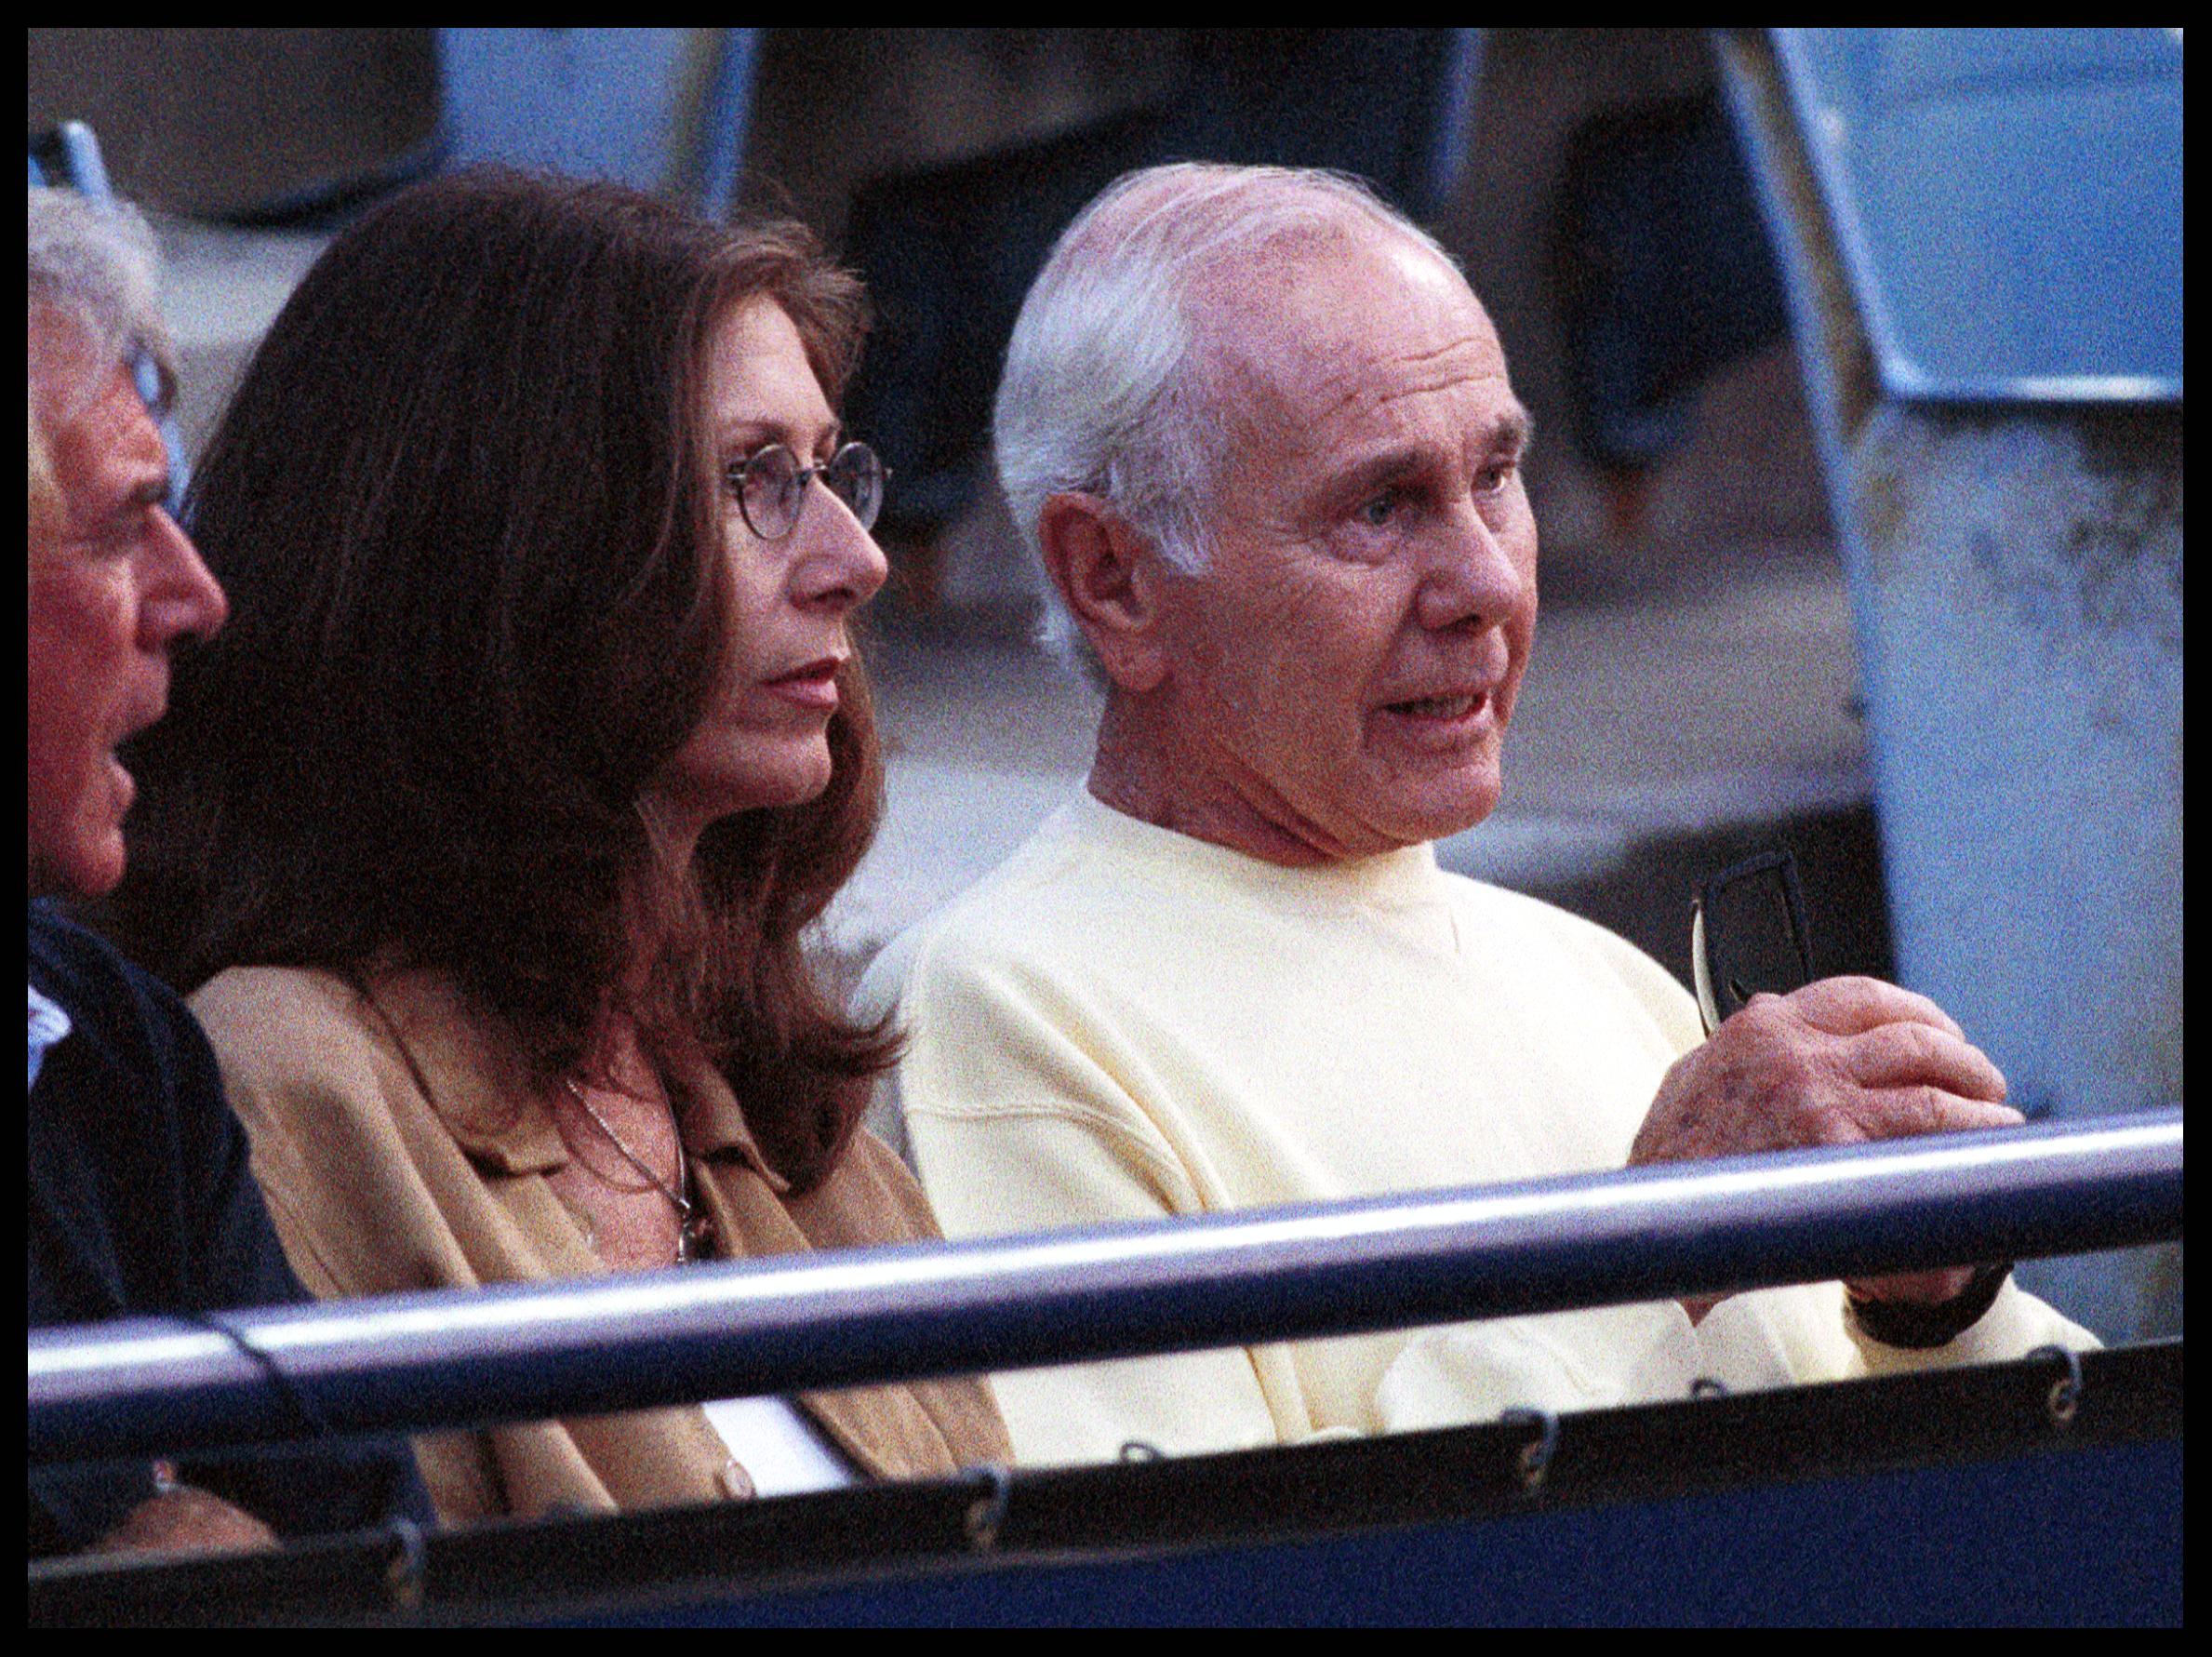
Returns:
(1108, 575)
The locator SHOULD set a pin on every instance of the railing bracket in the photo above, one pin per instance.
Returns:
(1535, 1460)
(2065, 1399)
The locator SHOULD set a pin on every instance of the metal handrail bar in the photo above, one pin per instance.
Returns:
(169, 1385)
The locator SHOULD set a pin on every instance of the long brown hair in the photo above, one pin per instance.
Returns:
(465, 508)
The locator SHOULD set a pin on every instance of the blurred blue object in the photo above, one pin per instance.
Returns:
(68, 158)
(1454, 129)
(2007, 203)
(660, 110)
(1991, 220)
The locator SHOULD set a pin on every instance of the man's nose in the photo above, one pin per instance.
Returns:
(838, 566)
(1473, 576)
(182, 598)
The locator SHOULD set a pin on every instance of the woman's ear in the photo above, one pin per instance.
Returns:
(1108, 575)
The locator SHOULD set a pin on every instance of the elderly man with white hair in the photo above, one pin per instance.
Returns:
(139, 1201)
(1261, 436)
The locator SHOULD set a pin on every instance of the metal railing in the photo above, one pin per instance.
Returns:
(170, 1385)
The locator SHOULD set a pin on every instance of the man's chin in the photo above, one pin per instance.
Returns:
(87, 866)
(1467, 804)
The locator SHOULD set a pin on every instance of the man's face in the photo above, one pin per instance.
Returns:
(109, 596)
(1345, 668)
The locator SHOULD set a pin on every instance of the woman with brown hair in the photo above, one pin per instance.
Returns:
(488, 828)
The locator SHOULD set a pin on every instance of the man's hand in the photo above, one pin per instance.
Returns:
(1838, 1062)
(184, 1519)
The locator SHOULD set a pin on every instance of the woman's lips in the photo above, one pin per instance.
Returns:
(813, 687)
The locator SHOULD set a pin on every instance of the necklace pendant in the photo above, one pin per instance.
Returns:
(695, 1238)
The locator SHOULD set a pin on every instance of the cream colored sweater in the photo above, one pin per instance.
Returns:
(1123, 1022)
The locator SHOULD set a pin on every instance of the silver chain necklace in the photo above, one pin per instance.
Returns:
(694, 1229)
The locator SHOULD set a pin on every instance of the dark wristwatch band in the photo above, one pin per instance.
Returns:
(1916, 1328)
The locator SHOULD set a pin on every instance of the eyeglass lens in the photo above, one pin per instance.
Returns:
(772, 487)
(854, 475)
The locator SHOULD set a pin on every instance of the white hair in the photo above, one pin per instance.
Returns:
(1109, 389)
(95, 264)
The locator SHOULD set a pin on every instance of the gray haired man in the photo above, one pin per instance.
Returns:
(140, 1198)
(1263, 437)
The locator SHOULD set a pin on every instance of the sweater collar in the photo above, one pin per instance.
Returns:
(1390, 879)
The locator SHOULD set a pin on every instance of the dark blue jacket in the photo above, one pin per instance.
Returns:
(140, 1204)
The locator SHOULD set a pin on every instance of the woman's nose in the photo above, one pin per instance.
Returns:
(838, 562)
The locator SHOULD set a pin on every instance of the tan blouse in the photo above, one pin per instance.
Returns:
(401, 1147)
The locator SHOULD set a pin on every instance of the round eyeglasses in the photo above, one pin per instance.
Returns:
(771, 486)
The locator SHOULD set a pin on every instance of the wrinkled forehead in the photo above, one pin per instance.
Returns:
(1296, 334)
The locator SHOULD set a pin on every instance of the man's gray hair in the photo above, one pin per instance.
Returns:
(95, 265)
(1108, 388)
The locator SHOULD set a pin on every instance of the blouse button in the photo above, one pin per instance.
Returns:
(737, 1484)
